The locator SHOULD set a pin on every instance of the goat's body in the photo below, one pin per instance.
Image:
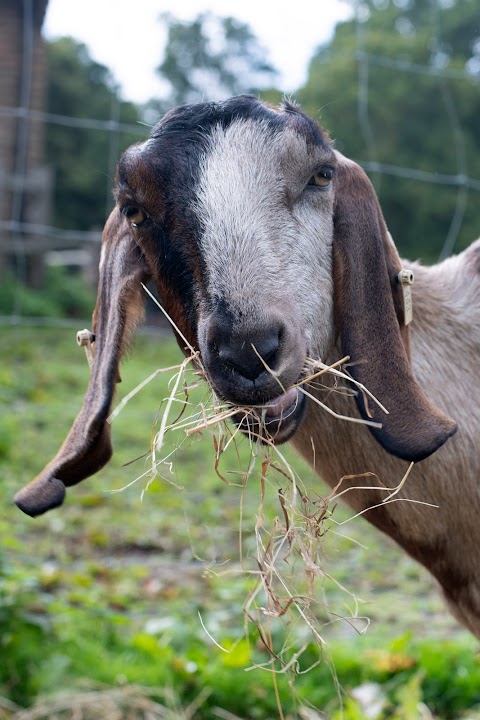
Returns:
(265, 245)
(445, 347)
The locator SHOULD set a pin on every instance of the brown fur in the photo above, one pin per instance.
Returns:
(445, 339)
(368, 320)
(119, 308)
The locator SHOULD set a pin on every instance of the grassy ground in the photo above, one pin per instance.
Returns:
(117, 588)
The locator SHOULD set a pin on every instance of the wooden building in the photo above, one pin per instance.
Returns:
(24, 178)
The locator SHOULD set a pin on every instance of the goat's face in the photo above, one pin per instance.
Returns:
(265, 245)
(240, 203)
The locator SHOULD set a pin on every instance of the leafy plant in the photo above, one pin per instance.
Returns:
(108, 588)
(25, 641)
(65, 295)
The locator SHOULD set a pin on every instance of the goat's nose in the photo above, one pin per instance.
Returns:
(246, 357)
(249, 354)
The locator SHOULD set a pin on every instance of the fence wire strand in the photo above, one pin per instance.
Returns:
(20, 229)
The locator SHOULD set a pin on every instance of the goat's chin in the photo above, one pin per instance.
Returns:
(274, 422)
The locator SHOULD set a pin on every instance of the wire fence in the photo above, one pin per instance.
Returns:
(26, 236)
(19, 180)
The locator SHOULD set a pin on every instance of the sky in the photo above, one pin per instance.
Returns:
(127, 37)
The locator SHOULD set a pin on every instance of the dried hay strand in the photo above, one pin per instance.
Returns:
(127, 703)
(130, 702)
(295, 537)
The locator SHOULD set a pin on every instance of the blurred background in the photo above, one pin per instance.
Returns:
(395, 83)
(108, 592)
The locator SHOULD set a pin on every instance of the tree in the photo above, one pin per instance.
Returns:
(399, 85)
(82, 157)
(211, 58)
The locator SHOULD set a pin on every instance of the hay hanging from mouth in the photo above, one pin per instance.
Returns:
(281, 592)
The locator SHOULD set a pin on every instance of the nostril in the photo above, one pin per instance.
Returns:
(267, 349)
(249, 357)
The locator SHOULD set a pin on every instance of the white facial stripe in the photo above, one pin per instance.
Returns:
(260, 249)
(237, 198)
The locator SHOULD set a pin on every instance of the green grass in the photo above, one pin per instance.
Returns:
(109, 588)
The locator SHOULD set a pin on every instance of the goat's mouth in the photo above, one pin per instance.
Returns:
(275, 421)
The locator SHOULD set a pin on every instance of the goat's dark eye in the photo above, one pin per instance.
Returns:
(322, 178)
(134, 215)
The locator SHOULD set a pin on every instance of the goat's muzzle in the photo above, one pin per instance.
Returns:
(276, 421)
(254, 365)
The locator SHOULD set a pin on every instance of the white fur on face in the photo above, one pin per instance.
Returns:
(266, 238)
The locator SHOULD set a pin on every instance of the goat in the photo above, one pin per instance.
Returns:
(257, 232)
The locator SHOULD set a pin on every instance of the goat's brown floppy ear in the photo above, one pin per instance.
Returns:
(119, 307)
(369, 317)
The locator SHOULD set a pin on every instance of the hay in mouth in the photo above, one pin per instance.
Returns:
(304, 517)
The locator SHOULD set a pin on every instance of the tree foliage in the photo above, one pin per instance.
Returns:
(211, 58)
(82, 157)
(399, 84)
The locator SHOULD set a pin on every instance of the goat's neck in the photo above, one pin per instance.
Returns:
(445, 344)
